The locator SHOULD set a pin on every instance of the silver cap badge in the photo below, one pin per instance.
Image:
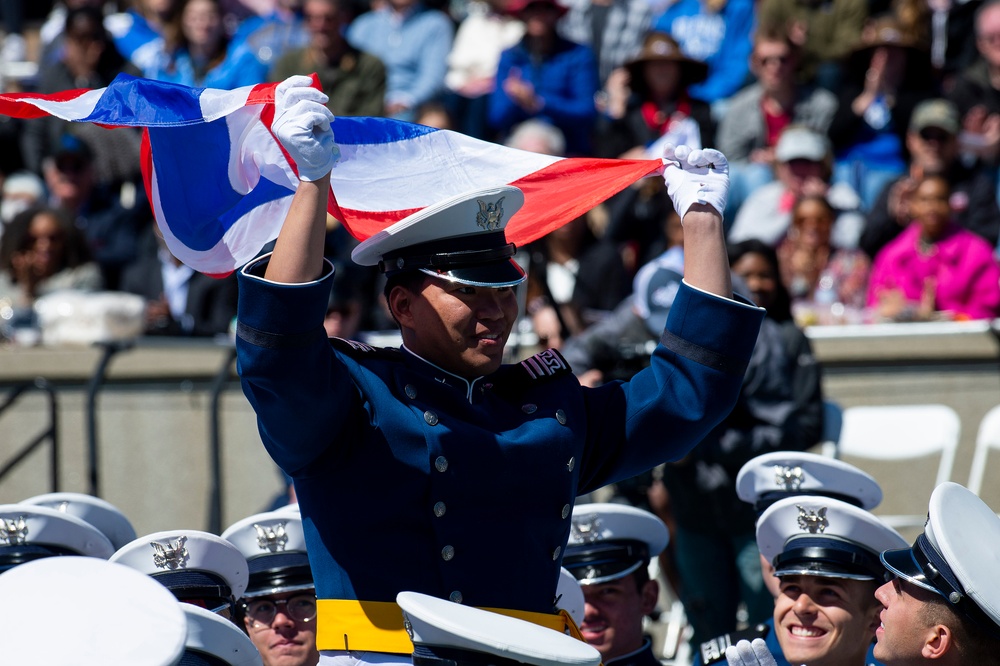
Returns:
(586, 529)
(490, 215)
(814, 522)
(13, 531)
(271, 537)
(170, 555)
(788, 478)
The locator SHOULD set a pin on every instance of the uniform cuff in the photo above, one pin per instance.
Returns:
(279, 307)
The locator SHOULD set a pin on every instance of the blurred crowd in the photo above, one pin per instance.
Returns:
(863, 138)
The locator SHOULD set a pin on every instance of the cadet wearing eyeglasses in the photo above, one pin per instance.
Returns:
(278, 609)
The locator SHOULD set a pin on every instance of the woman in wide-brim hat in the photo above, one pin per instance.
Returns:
(658, 102)
(889, 74)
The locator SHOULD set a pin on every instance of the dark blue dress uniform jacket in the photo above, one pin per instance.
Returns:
(410, 478)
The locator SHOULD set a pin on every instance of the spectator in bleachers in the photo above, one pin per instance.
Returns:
(887, 75)
(42, 252)
(749, 131)
(933, 146)
(651, 103)
(413, 43)
(196, 51)
(88, 60)
(547, 77)
(271, 35)
(179, 300)
(138, 31)
(826, 284)
(977, 89)
(803, 166)
(717, 32)
(950, 23)
(352, 79)
(434, 114)
(613, 29)
(935, 268)
(486, 32)
(20, 191)
(825, 31)
(114, 225)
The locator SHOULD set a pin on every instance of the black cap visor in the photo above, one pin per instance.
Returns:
(600, 563)
(496, 274)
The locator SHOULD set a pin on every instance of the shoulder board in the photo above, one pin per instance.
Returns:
(549, 363)
(357, 349)
(714, 651)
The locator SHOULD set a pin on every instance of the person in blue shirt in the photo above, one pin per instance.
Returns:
(547, 77)
(409, 463)
(197, 53)
(718, 33)
(413, 43)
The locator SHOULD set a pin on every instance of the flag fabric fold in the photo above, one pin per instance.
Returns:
(220, 183)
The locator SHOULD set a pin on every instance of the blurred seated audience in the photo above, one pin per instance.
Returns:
(827, 285)
(352, 79)
(649, 101)
(803, 166)
(20, 191)
(115, 221)
(41, 252)
(825, 31)
(935, 269)
(758, 113)
(197, 51)
(718, 33)
(138, 30)
(614, 30)
(933, 145)
(179, 300)
(88, 59)
(271, 34)
(546, 77)
(642, 223)
(574, 279)
(413, 42)
(976, 92)
(486, 32)
(888, 73)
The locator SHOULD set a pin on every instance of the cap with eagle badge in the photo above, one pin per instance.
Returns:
(445, 633)
(98, 512)
(821, 536)
(198, 567)
(274, 546)
(609, 541)
(33, 532)
(460, 239)
(957, 556)
(773, 476)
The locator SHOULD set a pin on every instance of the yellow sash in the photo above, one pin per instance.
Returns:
(377, 626)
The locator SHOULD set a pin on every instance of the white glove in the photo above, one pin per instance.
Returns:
(302, 125)
(745, 653)
(696, 176)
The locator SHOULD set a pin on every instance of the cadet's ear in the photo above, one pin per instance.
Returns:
(650, 594)
(938, 640)
(400, 303)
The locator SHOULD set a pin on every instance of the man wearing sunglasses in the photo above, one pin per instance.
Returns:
(278, 609)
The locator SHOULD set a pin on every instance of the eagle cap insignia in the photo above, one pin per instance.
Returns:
(271, 537)
(13, 531)
(170, 555)
(587, 529)
(490, 215)
(788, 478)
(814, 522)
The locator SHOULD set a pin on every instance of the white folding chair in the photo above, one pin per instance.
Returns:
(988, 437)
(900, 433)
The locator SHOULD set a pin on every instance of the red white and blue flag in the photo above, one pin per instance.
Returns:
(220, 183)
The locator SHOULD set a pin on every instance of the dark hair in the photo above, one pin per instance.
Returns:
(410, 280)
(174, 38)
(975, 644)
(16, 238)
(817, 198)
(781, 309)
(89, 22)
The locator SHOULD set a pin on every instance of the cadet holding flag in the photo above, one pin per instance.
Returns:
(410, 463)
